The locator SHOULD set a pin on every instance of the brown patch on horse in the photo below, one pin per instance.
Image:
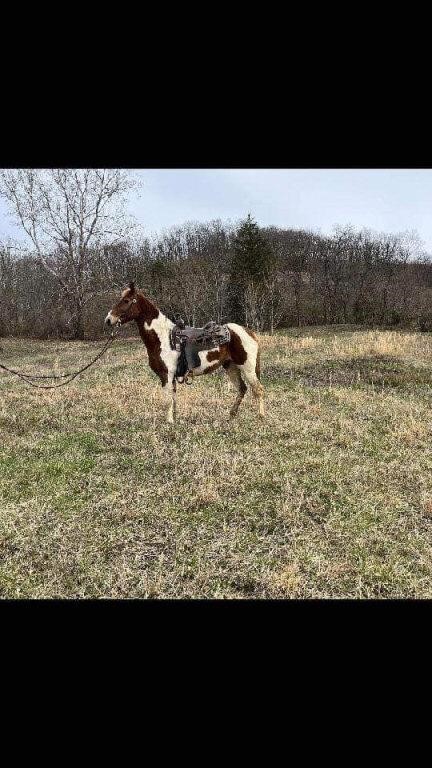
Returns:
(236, 349)
(252, 333)
(213, 367)
(220, 354)
(153, 346)
(148, 310)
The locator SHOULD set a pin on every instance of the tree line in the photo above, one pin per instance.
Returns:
(84, 250)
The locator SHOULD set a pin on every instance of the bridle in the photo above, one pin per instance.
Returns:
(122, 316)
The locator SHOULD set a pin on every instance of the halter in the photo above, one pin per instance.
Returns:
(121, 317)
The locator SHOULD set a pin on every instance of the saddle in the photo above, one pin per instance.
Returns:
(189, 341)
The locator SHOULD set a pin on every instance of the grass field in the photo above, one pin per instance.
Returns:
(331, 496)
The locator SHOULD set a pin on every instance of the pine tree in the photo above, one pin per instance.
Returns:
(251, 264)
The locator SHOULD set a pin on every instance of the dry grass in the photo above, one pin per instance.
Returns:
(331, 496)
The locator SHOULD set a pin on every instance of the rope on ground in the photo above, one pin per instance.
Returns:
(29, 377)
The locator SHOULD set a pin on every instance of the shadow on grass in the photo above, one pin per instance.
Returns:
(377, 370)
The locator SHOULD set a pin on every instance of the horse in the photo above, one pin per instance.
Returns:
(239, 357)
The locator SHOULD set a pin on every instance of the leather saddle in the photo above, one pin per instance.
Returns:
(190, 341)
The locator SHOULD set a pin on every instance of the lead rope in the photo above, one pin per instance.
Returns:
(70, 376)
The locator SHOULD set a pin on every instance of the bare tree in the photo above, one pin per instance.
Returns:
(276, 299)
(350, 276)
(6, 286)
(67, 215)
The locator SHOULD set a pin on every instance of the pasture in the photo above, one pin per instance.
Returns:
(329, 497)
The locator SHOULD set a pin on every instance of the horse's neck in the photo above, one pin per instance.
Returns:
(152, 319)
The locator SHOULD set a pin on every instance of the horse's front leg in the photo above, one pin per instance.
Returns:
(174, 401)
(170, 390)
(165, 368)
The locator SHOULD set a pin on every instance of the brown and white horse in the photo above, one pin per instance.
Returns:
(240, 357)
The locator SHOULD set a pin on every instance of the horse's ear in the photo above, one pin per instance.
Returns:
(132, 286)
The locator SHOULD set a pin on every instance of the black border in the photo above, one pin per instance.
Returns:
(224, 134)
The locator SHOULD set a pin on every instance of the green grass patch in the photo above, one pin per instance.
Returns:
(331, 496)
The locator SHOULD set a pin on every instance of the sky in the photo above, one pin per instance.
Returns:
(383, 200)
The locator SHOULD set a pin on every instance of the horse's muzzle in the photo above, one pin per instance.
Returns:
(110, 320)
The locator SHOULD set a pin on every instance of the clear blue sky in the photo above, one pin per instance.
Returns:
(383, 200)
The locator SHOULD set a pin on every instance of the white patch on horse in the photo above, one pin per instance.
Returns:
(162, 325)
(204, 363)
(250, 346)
(248, 368)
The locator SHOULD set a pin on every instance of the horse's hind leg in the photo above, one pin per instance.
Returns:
(237, 381)
(258, 393)
(250, 371)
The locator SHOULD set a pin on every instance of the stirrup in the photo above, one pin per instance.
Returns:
(189, 374)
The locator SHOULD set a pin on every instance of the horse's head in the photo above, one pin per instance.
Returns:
(126, 309)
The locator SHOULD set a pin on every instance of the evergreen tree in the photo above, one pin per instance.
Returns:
(251, 264)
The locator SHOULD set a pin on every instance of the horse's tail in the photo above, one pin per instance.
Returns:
(258, 362)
